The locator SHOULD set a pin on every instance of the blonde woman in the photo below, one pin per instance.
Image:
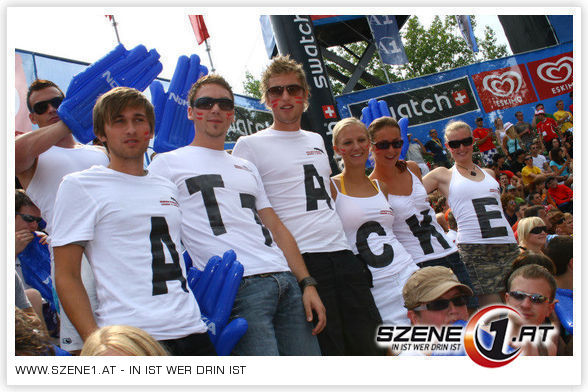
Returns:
(532, 234)
(485, 240)
(499, 130)
(121, 340)
(415, 223)
(511, 143)
(367, 221)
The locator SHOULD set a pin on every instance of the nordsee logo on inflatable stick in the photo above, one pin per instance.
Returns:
(173, 128)
(136, 68)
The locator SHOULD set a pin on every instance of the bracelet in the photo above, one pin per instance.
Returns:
(308, 281)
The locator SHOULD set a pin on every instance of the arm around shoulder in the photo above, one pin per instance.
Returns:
(415, 169)
(29, 146)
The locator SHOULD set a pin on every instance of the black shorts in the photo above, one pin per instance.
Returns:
(352, 315)
(197, 344)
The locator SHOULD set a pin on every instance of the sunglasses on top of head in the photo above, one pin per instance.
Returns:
(29, 218)
(385, 144)
(292, 89)
(442, 304)
(42, 106)
(468, 141)
(207, 103)
(535, 298)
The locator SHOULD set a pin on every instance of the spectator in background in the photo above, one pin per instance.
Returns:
(561, 194)
(561, 167)
(560, 251)
(510, 208)
(539, 160)
(523, 129)
(499, 130)
(415, 153)
(483, 139)
(532, 234)
(535, 120)
(530, 173)
(518, 162)
(511, 143)
(435, 146)
(547, 129)
(452, 223)
(559, 226)
(563, 118)
(30, 338)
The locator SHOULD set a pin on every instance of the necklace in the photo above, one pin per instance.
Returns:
(472, 171)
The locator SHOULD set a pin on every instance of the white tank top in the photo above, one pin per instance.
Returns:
(416, 227)
(52, 166)
(478, 211)
(367, 222)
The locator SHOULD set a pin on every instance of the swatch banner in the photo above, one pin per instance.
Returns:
(553, 76)
(428, 104)
(489, 89)
(388, 42)
(504, 88)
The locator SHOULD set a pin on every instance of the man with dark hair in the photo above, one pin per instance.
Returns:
(128, 223)
(561, 194)
(42, 158)
(560, 250)
(295, 171)
(547, 129)
(483, 139)
(436, 147)
(523, 129)
(224, 206)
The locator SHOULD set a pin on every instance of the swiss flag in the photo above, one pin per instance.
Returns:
(329, 111)
(461, 97)
(199, 28)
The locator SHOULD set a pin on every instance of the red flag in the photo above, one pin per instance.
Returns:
(199, 27)
(109, 17)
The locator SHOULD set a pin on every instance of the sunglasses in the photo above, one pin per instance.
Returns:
(442, 304)
(30, 218)
(456, 143)
(42, 106)
(292, 89)
(538, 230)
(207, 103)
(385, 144)
(535, 298)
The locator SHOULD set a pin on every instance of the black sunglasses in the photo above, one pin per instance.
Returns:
(535, 298)
(442, 304)
(538, 229)
(30, 218)
(456, 143)
(292, 89)
(385, 144)
(207, 103)
(42, 106)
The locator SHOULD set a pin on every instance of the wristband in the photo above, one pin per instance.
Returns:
(308, 281)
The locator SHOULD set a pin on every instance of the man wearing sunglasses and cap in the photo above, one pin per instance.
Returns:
(42, 158)
(224, 206)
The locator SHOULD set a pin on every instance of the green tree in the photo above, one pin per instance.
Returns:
(251, 86)
(439, 48)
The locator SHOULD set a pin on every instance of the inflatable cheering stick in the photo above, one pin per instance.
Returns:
(376, 109)
(173, 129)
(215, 289)
(35, 263)
(564, 309)
(135, 68)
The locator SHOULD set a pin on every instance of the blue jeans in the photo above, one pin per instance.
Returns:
(272, 306)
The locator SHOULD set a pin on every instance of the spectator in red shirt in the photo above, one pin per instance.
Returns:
(561, 194)
(546, 127)
(483, 138)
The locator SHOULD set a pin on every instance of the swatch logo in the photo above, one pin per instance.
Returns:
(503, 85)
(557, 72)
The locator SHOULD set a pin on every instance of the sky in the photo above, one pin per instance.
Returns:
(236, 42)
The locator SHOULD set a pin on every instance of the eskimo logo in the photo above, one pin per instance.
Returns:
(554, 72)
(503, 85)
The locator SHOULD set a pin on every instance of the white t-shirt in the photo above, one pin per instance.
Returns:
(539, 161)
(478, 211)
(295, 171)
(52, 166)
(416, 227)
(219, 196)
(132, 227)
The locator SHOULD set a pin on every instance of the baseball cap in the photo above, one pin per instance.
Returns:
(428, 284)
(507, 125)
(539, 111)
